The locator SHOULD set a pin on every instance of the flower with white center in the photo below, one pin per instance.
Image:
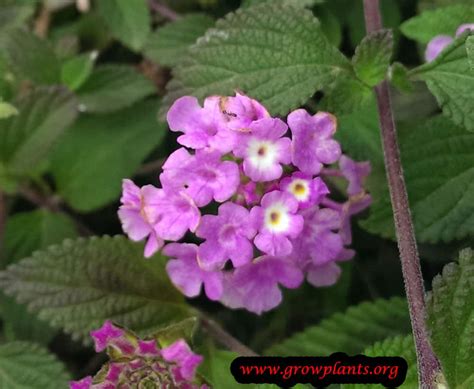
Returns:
(306, 190)
(276, 221)
(264, 150)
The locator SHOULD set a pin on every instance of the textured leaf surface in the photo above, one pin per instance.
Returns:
(76, 286)
(451, 81)
(27, 366)
(129, 21)
(451, 319)
(399, 346)
(31, 57)
(349, 332)
(26, 139)
(439, 173)
(372, 57)
(440, 21)
(168, 44)
(277, 54)
(112, 87)
(14, 14)
(100, 150)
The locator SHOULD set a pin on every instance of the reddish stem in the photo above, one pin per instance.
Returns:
(428, 364)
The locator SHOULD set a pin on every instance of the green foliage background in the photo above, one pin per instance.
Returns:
(83, 96)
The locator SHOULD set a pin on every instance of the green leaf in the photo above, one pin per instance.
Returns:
(439, 172)
(372, 57)
(470, 50)
(277, 54)
(349, 332)
(399, 346)
(76, 70)
(129, 21)
(399, 77)
(14, 14)
(26, 232)
(113, 87)
(359, 134)
(79, 284)
(7, 110)
(183, 330)
(216, 370)
(295, 3)
(98, 151)
(440, 21)
(28, 366)
(451, 320)
(27, 138)
(168, 44)
(31, 57)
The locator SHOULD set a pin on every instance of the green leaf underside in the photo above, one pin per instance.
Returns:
(372, 57)
(399, 346)
(440, 21)
(100, 150)
(451, 81)
(79, 284)
(28, 366)
(129, 21)
(349, 332)
(439, 173)
(451, 320)
(276, 54)
(168, 44)
(113, 87)
(26, 138)
(31, 57)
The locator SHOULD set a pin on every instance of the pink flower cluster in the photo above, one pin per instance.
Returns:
(137, 363)
(275, 222)
(439, 42)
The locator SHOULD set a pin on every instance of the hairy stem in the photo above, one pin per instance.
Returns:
(224, 338)
(428, 365)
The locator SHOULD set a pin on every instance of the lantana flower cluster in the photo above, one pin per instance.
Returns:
(439, 42)
(140, 363)
(255, 198)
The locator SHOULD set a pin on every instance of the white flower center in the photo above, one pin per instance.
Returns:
(277, 218)
(300, 189)
(262, 153)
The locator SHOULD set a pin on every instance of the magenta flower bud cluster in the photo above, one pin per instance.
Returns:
(138, 363)
(439, 42)
(275, 223)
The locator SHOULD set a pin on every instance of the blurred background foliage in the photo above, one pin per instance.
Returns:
(81, 87)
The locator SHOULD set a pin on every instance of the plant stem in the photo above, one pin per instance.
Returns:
(164, 10)
(52, 204)
(428, 365)
(224, 338)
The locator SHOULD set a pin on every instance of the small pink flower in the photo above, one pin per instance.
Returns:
(277, 221)
(105, 334)
(85, 383)
(186, 361)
